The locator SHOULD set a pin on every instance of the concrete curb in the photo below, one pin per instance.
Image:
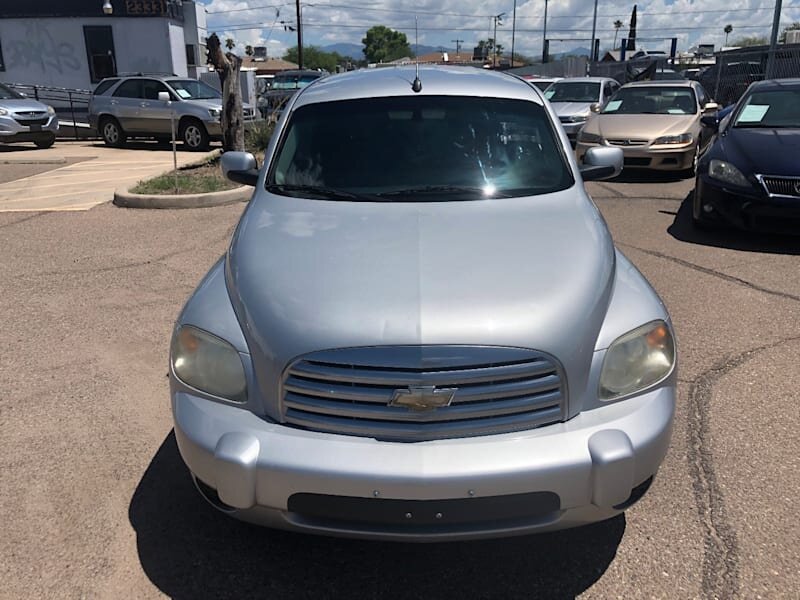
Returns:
(125, 199)
(33, 161)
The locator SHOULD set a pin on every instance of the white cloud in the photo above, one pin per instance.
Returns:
(442, 21)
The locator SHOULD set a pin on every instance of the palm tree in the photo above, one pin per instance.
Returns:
(727, 30)
(230, 43)
(248, 50)
(617, 25)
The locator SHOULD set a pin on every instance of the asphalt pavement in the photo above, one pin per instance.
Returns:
(95, 501)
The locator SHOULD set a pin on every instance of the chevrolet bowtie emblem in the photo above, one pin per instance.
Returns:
(422, 397)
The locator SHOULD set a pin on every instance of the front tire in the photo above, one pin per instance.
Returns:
(699, 222)
(194, 135)
(112, 133)
(45, 143)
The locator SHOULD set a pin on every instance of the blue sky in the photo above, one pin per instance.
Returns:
(569, 22)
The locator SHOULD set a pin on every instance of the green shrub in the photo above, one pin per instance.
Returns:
(258, 136)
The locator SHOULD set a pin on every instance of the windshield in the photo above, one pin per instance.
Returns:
(422, 148)
(660, 100)
(293, 82)
(573, 91)
(8, 94)
(773, 109)
(542, 85)
(191, 89)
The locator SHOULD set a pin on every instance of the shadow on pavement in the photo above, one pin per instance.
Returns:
(153, 145)
(734, 239)
(645, 176)
(188, 550)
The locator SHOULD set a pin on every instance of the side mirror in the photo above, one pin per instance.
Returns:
(710, 106)
(164, 96)
(710, 121)
(240, 167)
(601, 163)
(595, 107)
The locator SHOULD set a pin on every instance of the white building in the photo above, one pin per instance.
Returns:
(75, 44)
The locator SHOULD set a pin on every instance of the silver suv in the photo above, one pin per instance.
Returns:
(25, 120)
(123, 107)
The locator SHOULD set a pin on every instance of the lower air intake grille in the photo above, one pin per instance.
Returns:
(416, 393)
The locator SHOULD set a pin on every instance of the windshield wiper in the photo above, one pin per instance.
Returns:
(318, 191)
(442, 189)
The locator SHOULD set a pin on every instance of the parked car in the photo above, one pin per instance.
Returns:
(640, 54)
(421, 329)
(541, 83)
(668, 75)
(25, 120)
(729, 85)
(657, 125)
(572, 98)
(750, 176)
(284, 85)
(123, 107)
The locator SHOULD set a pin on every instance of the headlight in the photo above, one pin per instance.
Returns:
(51, 110)
(725, 171)
(215, 112)
(208, 363)
(576, 119)
(3, 112)
(590, 138)
(637, 360)
(684, 138)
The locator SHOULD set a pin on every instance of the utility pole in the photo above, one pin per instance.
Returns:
(773, 42)
(458, 45)
(513, 32)
(544, 35)
(592, 57)
(494, 41)
(299, 36)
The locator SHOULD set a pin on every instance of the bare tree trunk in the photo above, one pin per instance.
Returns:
(228, 66)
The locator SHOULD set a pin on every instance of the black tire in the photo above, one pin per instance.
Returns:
(692, 171)
(194, 136)
(698, 221)
(46, 142)
(112, 133)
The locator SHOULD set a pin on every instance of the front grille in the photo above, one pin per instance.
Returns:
(627, 143)
(636, 161)
(782, 186)
(496, 390)
(31, 121)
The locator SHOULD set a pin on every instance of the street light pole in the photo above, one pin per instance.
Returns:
(299, 36)
(513, 32)
(592, 56)
(544, 34)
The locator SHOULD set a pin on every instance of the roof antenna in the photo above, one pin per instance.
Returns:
(417, 85)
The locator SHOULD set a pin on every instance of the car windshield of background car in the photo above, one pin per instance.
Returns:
(573, 91)
(419, 148)
(652, 101)
(189, 89)
(773, 109)
(542, 85)
(7, 94)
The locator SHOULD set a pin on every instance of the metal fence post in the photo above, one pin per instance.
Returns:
(72, 111)
(36, 92)
(720, 62)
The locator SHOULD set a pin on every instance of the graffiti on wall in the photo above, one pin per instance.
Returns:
(39, 48)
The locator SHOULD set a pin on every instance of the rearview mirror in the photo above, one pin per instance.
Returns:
(595, 107)
(601, 163)
(709, 106)
(711, 121)
(240, 167)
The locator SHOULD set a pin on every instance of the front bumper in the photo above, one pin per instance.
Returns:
(745, 209)
(13, 131)
(590, 464)
(646, 157)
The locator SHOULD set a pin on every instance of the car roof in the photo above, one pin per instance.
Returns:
(586, 79)
(397, 81)
(775, 84)
(663, 83)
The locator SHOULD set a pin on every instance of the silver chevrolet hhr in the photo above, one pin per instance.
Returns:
(422, 330)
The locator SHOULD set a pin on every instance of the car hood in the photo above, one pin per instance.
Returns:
(308, 275)
(211, 102)
(23, 105)
(762, 151)
(567, 109)
(640, 126)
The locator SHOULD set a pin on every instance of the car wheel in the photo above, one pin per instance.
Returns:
(699, 222)
(194, 135)
(692, 171)
(45, 143)
(112, 133)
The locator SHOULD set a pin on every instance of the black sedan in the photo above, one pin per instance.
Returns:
(750, 175)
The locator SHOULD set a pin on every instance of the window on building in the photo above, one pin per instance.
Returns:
(100, 51)
(190, 55)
